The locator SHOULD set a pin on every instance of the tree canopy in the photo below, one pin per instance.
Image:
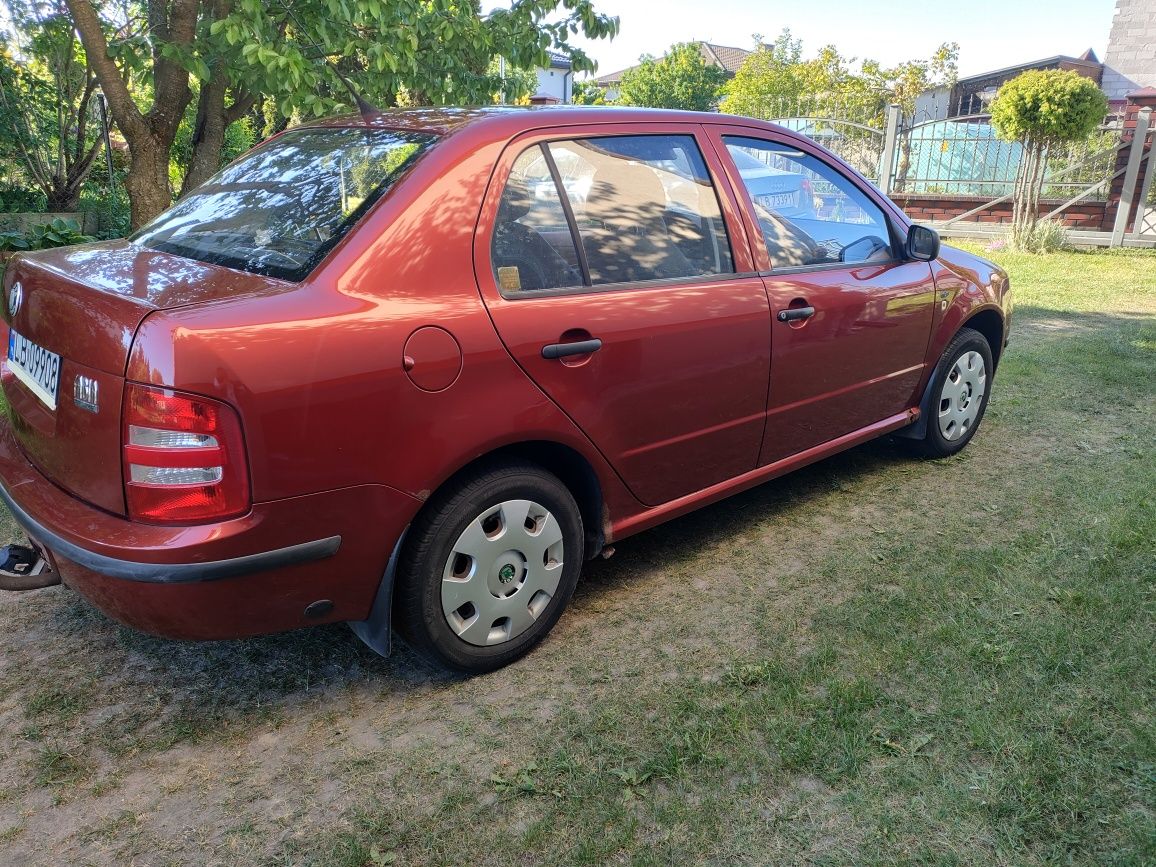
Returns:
(680, 79)
(1048, 106)
(300, 58)
(777, 81)
(47, 102)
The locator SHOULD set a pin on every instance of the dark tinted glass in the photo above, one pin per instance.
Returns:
(645, 208)
(279, 209)
(532, 246)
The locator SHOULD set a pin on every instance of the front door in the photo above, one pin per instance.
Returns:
(851, 317)
(615, 281)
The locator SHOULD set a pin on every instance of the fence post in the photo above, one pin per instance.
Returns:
(1131, 175)
(887, 158)
(1145, 190)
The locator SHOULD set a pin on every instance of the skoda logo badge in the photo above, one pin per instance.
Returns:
(15, 296)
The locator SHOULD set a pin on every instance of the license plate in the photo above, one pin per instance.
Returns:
(35, 366)
(774, 201)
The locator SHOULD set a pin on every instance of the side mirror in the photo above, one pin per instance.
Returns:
(922, 243)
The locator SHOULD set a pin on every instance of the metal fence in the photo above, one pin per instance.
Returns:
(854, 131)
(949, 156)
(964, 156)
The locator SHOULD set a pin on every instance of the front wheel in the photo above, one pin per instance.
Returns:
(959, 394)
(489, 566)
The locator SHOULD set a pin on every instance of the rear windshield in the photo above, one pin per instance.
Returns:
(280, 208)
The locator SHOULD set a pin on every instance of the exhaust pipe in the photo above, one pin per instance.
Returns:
(22, 568)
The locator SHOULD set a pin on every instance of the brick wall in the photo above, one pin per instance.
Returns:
(928, 208)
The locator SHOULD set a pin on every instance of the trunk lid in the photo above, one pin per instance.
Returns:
(84, 304)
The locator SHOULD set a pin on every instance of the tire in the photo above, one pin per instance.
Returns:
(959, 395)
(488, 567)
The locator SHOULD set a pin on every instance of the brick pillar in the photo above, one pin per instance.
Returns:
(1139, 99)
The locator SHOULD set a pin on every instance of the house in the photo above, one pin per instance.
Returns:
(725, 57)
(972, 94)
(1130, 63)
(555, 82)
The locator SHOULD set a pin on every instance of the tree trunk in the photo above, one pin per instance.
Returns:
(149, 136)
(213, 120)
(214, 117)
(1025, 210)
(208, 136)
(147, 181)
(63, 200)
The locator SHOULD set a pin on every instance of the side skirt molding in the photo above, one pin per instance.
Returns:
(683, 505)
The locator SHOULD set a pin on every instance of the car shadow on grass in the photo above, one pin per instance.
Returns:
(144, 694)
(683, 539)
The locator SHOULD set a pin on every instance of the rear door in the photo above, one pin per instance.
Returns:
(851, 317)
(617, 273)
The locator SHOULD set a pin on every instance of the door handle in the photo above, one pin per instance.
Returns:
(793, 314)
(578, 347)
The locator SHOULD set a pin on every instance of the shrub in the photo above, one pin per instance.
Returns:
(18, 200)
(58, 233)
(1045, 236)
(110, 209)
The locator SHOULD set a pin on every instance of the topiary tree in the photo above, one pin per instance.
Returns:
(1041, 109)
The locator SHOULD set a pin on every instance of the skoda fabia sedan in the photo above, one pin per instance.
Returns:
(401, 370)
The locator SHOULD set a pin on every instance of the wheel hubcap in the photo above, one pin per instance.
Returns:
(502, 572)
(962, 395)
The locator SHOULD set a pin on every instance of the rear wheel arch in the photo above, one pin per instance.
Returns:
(566, 463)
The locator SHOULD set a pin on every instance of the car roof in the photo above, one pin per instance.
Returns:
(444, 121)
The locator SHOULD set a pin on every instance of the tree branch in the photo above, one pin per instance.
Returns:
(170, 79)
(243, 103)
(128, 117)
(82, 116)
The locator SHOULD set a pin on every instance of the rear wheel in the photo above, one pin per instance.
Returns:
(959, 394)
(489, 566)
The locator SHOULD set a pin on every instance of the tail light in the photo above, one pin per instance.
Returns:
(184, 458)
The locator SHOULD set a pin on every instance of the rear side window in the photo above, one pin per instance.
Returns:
(809, 213)
(618, 209)
(532, 246)
(280, 208)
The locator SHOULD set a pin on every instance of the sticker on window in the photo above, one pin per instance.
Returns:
(510, 278)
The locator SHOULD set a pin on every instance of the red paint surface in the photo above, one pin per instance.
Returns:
(696, 393)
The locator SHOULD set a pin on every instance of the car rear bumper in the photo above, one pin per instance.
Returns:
(248, 576)
(170, 573)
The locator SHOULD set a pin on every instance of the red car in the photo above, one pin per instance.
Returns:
(402, 370)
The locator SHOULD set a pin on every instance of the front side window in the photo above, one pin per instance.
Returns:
(618, 209)
(280, 208)
(810, 213)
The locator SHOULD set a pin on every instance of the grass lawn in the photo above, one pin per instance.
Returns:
(876, 660)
